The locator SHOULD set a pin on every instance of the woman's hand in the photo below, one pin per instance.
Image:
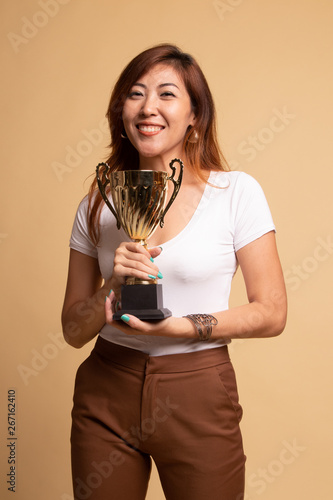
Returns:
(131, 325)
(132, 259)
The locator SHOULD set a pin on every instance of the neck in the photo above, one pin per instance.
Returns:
(155, 163)
(161, 164)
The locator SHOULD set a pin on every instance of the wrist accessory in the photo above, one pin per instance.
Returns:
(203, 324)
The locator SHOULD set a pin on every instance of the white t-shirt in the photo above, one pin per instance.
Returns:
(198, 264)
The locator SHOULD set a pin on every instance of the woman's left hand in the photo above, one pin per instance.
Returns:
(131, 325)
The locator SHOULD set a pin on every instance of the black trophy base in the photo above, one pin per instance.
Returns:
(143, 301)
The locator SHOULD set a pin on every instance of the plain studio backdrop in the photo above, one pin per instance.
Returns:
(269, 66)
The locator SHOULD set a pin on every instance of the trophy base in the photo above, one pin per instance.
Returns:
(144, 314)
(143, 301)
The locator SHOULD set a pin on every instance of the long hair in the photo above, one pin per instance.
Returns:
(202, 155)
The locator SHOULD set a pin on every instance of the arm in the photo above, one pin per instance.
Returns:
(263, 316)
(83, 313)
(83, 310)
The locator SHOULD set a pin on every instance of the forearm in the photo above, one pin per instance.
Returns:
(253, 320)
(84, 319)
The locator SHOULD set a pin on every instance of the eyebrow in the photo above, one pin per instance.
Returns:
(162, 85)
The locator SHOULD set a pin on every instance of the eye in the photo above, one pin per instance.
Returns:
(168, 93)
(135, 94)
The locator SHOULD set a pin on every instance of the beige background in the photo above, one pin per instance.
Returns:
(264, 59)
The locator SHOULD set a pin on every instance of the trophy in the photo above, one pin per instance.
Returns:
(139, 198)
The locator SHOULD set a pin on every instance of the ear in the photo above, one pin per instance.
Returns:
(193, 120)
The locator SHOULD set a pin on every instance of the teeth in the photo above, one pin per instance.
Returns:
(146, 128)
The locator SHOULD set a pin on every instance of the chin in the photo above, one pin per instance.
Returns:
(165, 157)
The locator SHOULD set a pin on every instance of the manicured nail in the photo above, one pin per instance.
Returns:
(151, 277)
(161, 248)
(110, 292)
(106, 297)
(117, 306)
(160, 275)
(151, 259)
(125, 318)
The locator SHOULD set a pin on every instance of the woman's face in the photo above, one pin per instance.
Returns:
(157, 113)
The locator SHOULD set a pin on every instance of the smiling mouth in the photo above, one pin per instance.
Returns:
(149, 128)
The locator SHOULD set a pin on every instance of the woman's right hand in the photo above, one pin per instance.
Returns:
(133, 260)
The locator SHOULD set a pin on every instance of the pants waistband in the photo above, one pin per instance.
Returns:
(170, 363)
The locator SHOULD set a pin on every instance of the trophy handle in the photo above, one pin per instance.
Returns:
(102, 183)
(176, 185)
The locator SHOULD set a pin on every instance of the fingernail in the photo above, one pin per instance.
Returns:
(160, 275)
(110, 292)
(161, 248)
(151, 259)
(151, 277)
(106, 297)
(125, 318)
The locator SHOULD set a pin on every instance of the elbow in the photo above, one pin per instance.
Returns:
(278, 322)
(72, 341)
(282, 311)
(274, 317)
(279, 326)
(283, 321)
(71, 333)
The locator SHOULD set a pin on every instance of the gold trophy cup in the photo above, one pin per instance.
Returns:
(139, 198)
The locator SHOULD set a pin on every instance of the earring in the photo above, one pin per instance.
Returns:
(194, 137)
(123, 135)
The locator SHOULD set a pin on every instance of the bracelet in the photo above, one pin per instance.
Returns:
(203, 321)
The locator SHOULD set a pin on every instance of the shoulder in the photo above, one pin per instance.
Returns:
(235, 180)
(81, 214)
(83, 206)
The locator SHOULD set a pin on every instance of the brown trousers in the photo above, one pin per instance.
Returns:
(180, 410)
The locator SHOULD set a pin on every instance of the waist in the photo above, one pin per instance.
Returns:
(158, 346)
(169, 363)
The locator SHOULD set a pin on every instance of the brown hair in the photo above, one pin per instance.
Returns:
(202, 155)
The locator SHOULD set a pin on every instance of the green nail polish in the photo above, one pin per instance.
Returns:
(151, 259)
(105, 298)
(160, 275)
(151, 277)
(125, 318)
(110, 292)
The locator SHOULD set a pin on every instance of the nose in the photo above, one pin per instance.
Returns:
(149, 106)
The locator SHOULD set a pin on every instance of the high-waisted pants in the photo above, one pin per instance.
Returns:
(180, 410)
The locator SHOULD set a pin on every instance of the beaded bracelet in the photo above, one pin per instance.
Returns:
(201, 321)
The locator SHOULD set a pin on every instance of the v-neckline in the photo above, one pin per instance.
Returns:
(204, 197)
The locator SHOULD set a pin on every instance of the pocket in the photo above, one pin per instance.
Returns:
(227, 378)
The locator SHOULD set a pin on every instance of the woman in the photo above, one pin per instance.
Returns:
(166, 390)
